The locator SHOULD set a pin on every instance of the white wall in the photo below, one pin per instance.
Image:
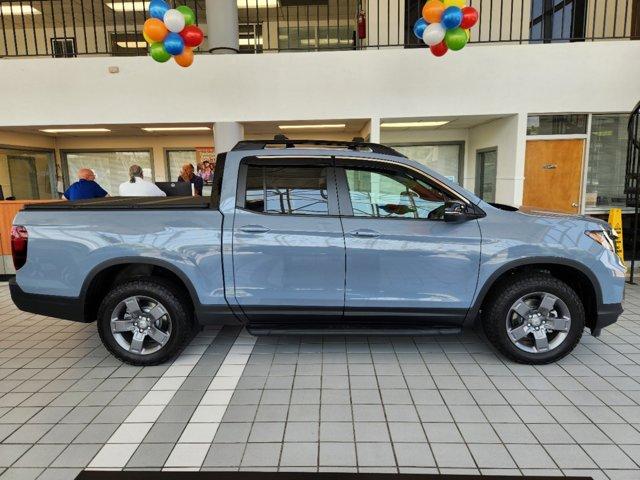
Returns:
(479, 80)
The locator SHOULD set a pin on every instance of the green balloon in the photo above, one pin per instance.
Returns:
(189, 16)
(158, 53)
(456, 38)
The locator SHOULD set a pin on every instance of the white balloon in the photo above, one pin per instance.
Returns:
(433, 34)
(174, 20)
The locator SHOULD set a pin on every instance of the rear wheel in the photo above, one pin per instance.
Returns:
(534, 318)
(144, 322)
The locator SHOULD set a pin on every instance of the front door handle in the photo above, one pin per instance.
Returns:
(254, 229)
(365, 233)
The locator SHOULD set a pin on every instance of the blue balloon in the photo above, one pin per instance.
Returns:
(174, 44)
(451, 18)
(157, 8)
(418, 27)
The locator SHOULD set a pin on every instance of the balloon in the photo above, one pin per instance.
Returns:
(454, 3)
(456, 38)
(174, 44)
(439, 49)
(154, 29)
(418, 27)
(451, 17)
(185, 58)
(157, 9)
(192, 36)
(158, 52)
(432, 11)
(468, 32)
(187, 13)
(469, 17)
(174, 20)
(434, 34)
(146, 38)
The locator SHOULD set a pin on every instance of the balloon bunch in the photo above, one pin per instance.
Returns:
(171, 32)
(445, 25)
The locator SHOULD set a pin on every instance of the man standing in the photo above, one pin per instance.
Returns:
(86, 187)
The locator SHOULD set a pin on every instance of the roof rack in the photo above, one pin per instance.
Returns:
(356, 144)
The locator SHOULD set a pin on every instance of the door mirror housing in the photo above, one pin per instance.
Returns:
(456, 211)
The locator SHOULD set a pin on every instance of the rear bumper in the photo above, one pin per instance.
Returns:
(608, 313)
(68, 308)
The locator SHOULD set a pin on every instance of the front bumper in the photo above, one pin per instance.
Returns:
(608, 313)
(67, 308)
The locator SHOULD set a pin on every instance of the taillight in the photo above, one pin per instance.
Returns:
(19, 241)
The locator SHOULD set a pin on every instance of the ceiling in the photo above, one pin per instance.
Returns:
(454, 122)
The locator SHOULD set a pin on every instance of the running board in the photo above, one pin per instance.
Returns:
(264, 330)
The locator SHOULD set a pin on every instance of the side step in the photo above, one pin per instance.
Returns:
(399, 331)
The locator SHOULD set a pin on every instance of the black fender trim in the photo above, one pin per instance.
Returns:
(472, 314)
(67, 308)
(205, 314)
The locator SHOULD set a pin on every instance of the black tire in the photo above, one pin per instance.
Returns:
(503, 297)
(177, 306)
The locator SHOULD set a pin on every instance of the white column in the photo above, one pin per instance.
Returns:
(222, 25)
(226, 135)
(374, 134)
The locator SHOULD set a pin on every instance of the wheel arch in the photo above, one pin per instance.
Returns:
(575, 274)
(104, 275)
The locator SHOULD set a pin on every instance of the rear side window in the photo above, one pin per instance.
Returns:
(287, 190)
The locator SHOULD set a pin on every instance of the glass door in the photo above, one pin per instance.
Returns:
(486, 168)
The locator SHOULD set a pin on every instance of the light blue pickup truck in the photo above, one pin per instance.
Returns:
(317, 237)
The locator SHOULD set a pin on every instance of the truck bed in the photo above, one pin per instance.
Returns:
(127, 203)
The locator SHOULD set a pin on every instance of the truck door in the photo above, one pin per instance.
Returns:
(288, 245)
(404, 263)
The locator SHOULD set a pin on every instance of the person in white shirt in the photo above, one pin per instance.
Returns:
(137, 186)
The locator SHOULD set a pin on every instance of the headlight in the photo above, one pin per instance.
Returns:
(601, 237)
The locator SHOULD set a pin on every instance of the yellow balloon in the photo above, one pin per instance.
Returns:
(454, 3)
(466, 30)
(146, 38)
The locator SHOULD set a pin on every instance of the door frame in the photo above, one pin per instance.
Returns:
(480, 171)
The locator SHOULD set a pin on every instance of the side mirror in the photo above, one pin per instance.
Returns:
(455, 211)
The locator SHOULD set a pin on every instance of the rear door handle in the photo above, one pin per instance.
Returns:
(365, 233)
(254, 229)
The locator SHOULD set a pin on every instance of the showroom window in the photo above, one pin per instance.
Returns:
(111, 167)
(27, 175)
(607, 161)
(287, 190)
(391, 194)
(556, 124)
(444, 158)
(177, 158)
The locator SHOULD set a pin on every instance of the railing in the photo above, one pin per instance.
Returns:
(62, 28)
(632, 179)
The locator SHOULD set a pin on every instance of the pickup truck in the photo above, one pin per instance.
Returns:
(317, 237)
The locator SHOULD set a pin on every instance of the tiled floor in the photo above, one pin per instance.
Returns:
(423, 404)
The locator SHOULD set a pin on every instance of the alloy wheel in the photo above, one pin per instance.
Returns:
(141, 325)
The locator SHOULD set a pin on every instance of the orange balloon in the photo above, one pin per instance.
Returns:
(185, 58)
(432, 11)
(154, 29)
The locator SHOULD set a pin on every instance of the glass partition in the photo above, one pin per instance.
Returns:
(111, 167)
(446, 159)
(27, 175)
(177, 158)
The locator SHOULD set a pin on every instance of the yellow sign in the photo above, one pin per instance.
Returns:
(615, 220)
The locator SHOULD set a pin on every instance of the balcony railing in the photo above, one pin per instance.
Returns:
(63, 28)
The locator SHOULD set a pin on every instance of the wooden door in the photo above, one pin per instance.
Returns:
(553, 175)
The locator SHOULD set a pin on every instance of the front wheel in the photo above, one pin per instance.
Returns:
(534, 319)
(144, 322)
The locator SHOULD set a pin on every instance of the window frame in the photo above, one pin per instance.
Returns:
(322, 162)
(344, 197)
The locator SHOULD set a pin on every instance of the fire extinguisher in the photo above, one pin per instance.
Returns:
(362, 25)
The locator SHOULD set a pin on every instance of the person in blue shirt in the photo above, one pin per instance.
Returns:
(86, 187)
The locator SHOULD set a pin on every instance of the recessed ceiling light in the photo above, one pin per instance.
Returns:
(19, 9)
(313, 127)
(75, 130)
(128, 6)
(176, 129)
(131, 44)
(421, 124)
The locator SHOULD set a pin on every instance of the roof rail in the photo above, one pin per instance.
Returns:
(356, 145)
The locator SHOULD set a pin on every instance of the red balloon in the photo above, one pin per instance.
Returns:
(192, 36)
(469, 17)
(439, 49)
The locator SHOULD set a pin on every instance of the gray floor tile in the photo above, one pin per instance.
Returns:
(299, 454)
(337, 454)
(77, 455)
(150, 455)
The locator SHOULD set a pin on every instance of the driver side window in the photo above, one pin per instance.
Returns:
(393, 194)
